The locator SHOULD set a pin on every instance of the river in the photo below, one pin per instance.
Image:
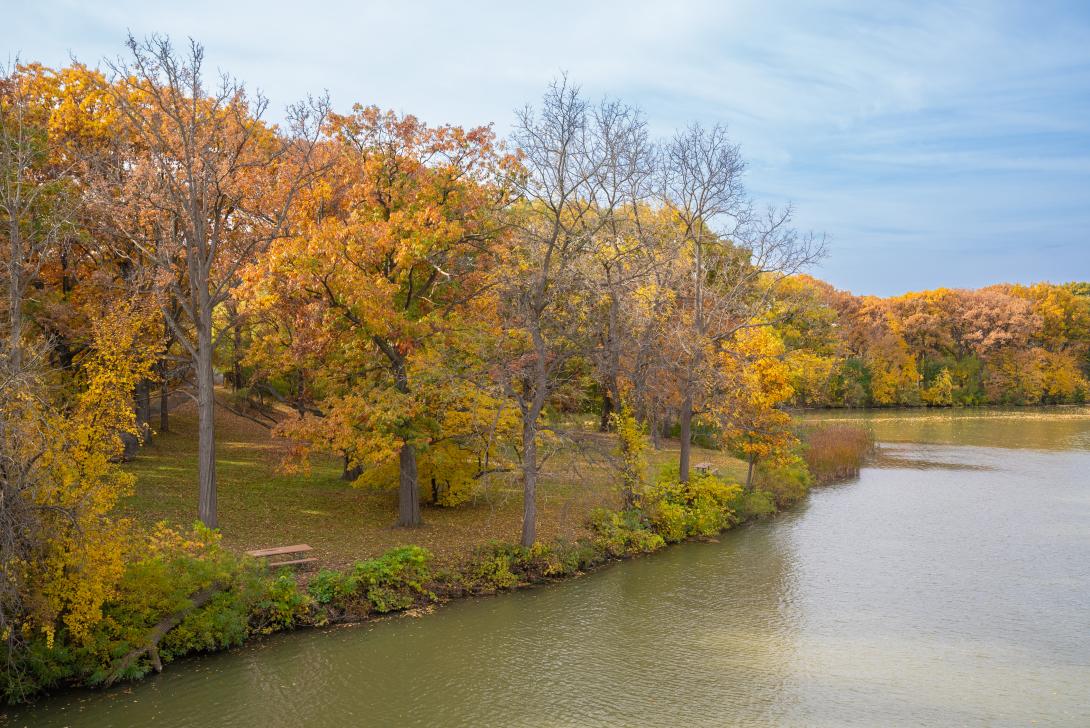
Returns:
(949, 584)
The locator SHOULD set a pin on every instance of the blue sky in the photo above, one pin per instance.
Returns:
(936, 144)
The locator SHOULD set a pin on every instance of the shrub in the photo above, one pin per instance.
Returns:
(753, 504)
(389, 583)
(623, 533)
(176, 567)
(491, 566)
(701, 507)
(786, 481)
(158, 584)
(281, 604)
(836, 450)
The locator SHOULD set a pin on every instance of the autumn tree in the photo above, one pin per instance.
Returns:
(394, 256)
(214, 185)
(757, 381)
(582, 162)
(61, 545)
(738, 259)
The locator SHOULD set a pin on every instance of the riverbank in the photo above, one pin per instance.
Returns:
(944, 584)
(193, 592)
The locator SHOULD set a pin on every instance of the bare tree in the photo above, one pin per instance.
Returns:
(738, 258)
(219, 184)
(580, 165)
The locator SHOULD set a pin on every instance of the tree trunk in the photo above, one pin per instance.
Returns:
(164, 399)
(143, 410)
(350, 473)
(607, 410)
(686, 420)
(15, 297)
(236, 345)
(529, 480)
(206, 427)
(749, 472)
(408, 500)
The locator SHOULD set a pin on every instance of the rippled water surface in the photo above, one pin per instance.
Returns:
(948, 585)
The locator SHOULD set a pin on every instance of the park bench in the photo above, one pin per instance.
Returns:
(289, 551)
(706, 469)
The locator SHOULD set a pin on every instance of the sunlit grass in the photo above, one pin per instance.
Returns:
(261, 506)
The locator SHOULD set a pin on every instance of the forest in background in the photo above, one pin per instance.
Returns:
(1004, 344)
(427, 303)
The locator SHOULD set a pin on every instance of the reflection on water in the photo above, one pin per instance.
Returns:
(1036, 428)
(918, 457)
(948, 585)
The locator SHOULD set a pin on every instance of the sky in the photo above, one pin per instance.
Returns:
(934, 144)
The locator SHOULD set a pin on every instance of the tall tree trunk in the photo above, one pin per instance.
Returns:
(656, 432)
(408, 505)
(529, 479)
(686, 435)
(408, 512)
(749, 472)
(236, 346)
(206, 427)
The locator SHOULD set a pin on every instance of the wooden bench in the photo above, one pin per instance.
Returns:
(706, 469)
(299, 548)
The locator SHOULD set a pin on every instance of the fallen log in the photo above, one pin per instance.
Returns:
(151, 646)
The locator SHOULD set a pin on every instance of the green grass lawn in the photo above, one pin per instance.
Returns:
(261, 506)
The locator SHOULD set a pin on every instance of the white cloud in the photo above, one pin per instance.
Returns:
(959, 128)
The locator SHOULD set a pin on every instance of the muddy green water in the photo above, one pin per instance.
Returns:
(948, 585)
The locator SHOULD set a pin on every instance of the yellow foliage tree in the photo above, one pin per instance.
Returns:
(941, 391)
(63, 483)
(759, 381)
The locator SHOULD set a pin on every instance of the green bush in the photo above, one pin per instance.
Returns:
(222, 622)
(787, 481)
(158, 584)
(281, 604)
(393, 581)
(701, 507)
(623, 533)
(579, 556)
(753, 504)
(498, 565)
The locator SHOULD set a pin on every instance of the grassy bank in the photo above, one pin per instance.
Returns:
(194, 591)
(260, 506)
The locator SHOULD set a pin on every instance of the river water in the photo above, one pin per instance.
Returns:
(948, 585)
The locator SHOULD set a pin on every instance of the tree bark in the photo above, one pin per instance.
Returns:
(529, 480)
(408, 512)
(164, 399)
(15, 297)
(350, 473)
(656, 433)
(686, 435)
(206, 426)
(607, 410)
(143, 410)
(749, 472)
(408, 506)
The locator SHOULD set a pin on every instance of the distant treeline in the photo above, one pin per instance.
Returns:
(1004, 344)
